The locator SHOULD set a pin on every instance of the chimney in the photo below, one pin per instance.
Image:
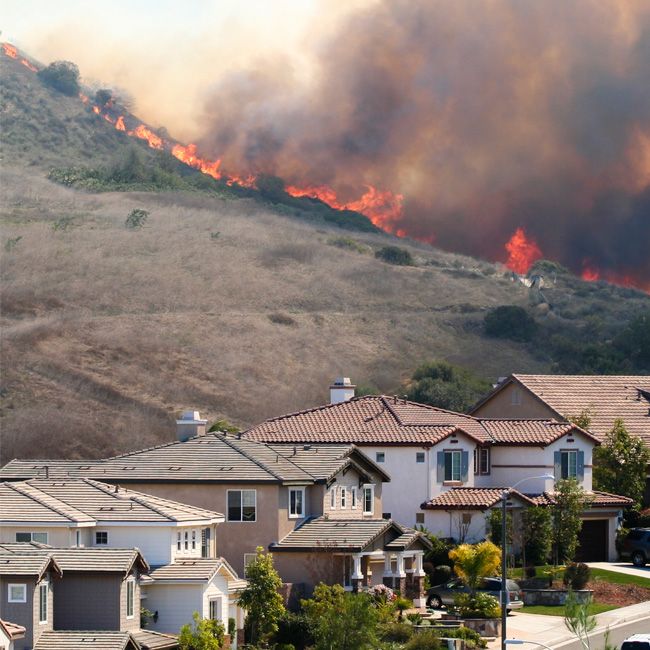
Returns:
(341, 390)
(190, 425)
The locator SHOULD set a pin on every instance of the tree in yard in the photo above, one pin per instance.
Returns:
(536, 535)
(570, 501)
(260, 599)
(62, 76)
(620, 464)
(204, 634)
(341, 620)
(442, 384)
(473, 562)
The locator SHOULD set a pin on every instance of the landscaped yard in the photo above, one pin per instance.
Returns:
(558, 610)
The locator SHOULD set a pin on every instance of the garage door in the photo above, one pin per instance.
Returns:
(593, 541)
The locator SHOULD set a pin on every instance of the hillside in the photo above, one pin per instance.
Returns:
(221, 303)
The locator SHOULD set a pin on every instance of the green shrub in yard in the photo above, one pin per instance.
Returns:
(395, 255)
(396, 632)
(136, 219)
(576, 575)
(477, 605)
(472, 637)
(425, 640)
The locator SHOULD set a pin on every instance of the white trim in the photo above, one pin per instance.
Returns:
(301, 514)
(31, 533)
(241, 492)
(370, 487)
(17, 600)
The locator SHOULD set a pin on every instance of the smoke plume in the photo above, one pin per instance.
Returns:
(487, 117)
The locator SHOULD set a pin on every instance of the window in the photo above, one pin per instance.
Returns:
(194, 540)
(242, 505)
(78, 538)
(130, 597)
(569, 464)
(333, 498)
(296, 502)
(380, 456)
(368, 498)
(17, 593)
(353, 498)
(452, 465)
(386, 515)
(41, 538)
(419, 517)
(101, 538)
(186, 537)
(481, 460)
(205, 542)
(42, 603)
(419, 457)
(248, 558)
(344, 497)
(215, 609)
(179, 540)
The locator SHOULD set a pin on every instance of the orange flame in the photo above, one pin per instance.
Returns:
(142, 132)
(28, 65)
(96, 110)
(83, 98)
(522, 252)
(187, 154)
(109, 119)
(590, 274)
(10, 50)
(119, 124)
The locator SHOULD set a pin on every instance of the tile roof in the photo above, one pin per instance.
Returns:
(119, 560)
(60, 640)
(12, 630)
(148, 640)
(29, 564)
(85, 501)
(599, 499)
(473, 498)
(607, 397)
(194, 570)
(383, 420)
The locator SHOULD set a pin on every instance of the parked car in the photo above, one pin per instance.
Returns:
(637, 642)
(443, 595)
(636, 546)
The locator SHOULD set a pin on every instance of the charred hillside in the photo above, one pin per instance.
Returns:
(226, 299)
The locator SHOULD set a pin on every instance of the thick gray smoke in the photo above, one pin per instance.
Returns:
(486, 116)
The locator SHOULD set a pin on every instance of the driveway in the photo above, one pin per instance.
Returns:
(623, 567)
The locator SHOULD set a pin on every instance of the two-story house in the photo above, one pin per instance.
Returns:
(87, 515)
(441, 462)
(270, 493)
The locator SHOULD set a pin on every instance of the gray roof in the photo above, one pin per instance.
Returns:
(60, 640)
(149, 640)
(119, 560)
(214, 457)
(28, 564)
(85, 501)
(192, 570)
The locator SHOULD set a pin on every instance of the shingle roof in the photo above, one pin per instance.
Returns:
(149, 640)
(473, 498)
(198, 569)
(60, 640)
(383, 420)
(606, 397)
(28, 564)
(85, 501)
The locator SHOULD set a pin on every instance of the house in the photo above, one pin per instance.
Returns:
(10, 632)
(92, 516)
(437, 452)
(26, 586)
(71, 640)
(268, 492)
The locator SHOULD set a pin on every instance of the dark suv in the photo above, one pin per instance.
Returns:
(636, 546)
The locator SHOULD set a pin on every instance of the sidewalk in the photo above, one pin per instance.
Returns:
(552, 631)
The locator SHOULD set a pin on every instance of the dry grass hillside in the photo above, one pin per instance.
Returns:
(218, 304)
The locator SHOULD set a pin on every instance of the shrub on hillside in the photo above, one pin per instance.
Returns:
(510, 322)
(62, 76)
(103, 96)
(395, 255)
(136, 219)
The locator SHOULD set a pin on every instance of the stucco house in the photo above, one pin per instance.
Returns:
(269, 493)
(88, 515)
(441, 462)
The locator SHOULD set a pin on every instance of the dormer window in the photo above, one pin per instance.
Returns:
(344, 497)
(368, 499)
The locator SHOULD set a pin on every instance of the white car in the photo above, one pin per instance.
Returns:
(637, 642)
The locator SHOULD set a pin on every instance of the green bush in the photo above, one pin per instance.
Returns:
(347, 243)
(477, 605)
(396, 632)
(424, 640)
(293, 629)
(395, 255)
(136, 219)
(442, 573)
(473, 638)
(576, 575)
(103, 96)
(510, 322)
(62, 76)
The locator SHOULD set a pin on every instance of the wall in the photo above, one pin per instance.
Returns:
(62, 537)
(309, 568)
(175, 605)
(218, 587)
(349, 480)
(155, 542)
(501, 406)
(233, 539)
(447, 524)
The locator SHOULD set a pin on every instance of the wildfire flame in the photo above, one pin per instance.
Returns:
(142, 132)
(119, 123)
(10, 50)
(187, 154)
(522, 252)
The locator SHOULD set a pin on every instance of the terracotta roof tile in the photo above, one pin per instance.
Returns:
(599, 499)
(472, 498)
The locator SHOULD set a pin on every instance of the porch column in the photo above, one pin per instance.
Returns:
(388, 570)
(400, 575)
(419, 558)
(419, 597)
(357, 576)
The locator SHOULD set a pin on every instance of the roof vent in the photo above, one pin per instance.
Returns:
(190, 425)
(341, 390)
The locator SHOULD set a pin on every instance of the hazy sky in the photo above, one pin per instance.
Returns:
(165, 52)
